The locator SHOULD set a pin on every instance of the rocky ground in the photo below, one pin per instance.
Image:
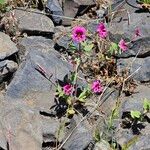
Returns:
(30, 118)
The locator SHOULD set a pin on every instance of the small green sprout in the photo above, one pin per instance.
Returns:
(87, 46)
(135, 114)
(146, 105)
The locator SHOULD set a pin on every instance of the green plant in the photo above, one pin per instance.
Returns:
(3, 6)
(129, 143)
(146, 105)
(69, 94)
(144, 1)
(135, 114)
(2, 2)
(114, 115)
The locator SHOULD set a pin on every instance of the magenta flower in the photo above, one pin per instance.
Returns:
(137, 32)
(102, 31)
(68, 89)
(78, 34)
(97, 87)
(123, 45)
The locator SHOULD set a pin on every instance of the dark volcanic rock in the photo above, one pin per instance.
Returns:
(135, 101)
(33, 21)
(138, 66)
(81, 136)
(28, 83)
(55, 7)
(61, 12)
(139, 134)
(21, 126)
(137, 19)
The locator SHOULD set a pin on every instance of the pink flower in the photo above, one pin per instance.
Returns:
(101, 29)
(96, 87)
(78, 34)
(137, 32)
(123, 45)
(68, 89)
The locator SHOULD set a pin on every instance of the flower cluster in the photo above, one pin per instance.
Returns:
(79, 34)
(123, 45)
(68, 89)
(96, 87)
(102, 31)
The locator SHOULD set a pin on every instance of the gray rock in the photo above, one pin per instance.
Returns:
(135, 101)
(7, 68)
(7, 47)
(21, 126)
(102, 145)
(100, 13)
(28, 83)
(119, 24)
(139, 66)
(85, 2)
(56, 9)
(143, 143)
(35, 42)
(71, 13)
(32, 20)
(81, 137)
(50, 128)
(140, 142)
(64, 41)
(3, 140)
(124, 136)
(61, 11)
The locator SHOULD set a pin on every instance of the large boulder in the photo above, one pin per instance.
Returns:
(138, 67)
(138, 135)
(21, 126)
(33, 21)
(28, 83)
(125, 22)
(61, 12)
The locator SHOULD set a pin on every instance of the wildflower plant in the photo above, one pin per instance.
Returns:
(69, 93)
(102, 31)
(83, 44)
(134, 118)
(78, 34)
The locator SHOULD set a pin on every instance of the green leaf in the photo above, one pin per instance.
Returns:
(113, 48)
(72, 47)
(135, 114)
(59, 91)
(82, 97)
(73, 77)
(70, 111)
(144, 1)
(96, 135)
(88, 48)
(2, 2)
(146, 105)
(69, 101)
